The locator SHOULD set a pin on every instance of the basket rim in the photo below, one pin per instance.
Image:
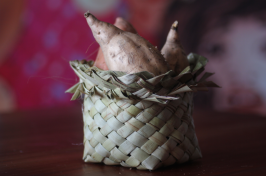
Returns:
(142, 85)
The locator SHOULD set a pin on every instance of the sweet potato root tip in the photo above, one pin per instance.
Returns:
(175, 25)
(124, 25)
(173, 50)
(87, 14)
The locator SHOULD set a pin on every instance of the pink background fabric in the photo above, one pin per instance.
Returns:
(36, 72)
(54, 32)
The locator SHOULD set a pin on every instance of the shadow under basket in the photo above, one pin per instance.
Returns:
(139, 120)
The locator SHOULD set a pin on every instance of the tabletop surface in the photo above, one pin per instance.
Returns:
(49, 142)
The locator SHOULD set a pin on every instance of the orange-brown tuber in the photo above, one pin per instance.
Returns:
(121, 24)
(126, 51)
(173, 51)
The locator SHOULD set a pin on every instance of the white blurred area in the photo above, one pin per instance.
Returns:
(237, 54)
(232, 36)
(96, 7)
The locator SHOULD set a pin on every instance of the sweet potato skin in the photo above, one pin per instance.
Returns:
(173, 51)
(131, 53)
(121, 24)
(125, 51)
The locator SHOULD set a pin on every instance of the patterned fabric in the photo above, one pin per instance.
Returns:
(54, 32)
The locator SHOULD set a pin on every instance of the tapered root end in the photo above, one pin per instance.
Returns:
(175, 25)
(124, 25)
(173, 36)
(119, 20)
(91, 19)
(87, 14)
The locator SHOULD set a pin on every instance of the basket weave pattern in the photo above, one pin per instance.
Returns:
(143, 135)
(130, 119)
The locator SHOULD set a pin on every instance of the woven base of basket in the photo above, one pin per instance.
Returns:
(137, 120)
(145, 135)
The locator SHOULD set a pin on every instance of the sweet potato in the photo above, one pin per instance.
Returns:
(125, 51)
(121, 24)
(173, 51)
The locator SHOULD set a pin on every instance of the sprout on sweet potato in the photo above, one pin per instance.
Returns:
(173, 51)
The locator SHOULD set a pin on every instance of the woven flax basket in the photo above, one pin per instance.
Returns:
(138, 120)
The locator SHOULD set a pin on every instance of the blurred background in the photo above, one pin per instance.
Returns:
(39, 38)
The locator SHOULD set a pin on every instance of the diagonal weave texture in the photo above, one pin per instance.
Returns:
(137, 120)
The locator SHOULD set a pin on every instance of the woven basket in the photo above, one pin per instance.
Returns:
(138, 120)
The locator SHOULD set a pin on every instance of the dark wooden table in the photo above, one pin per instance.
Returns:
(49, 142)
